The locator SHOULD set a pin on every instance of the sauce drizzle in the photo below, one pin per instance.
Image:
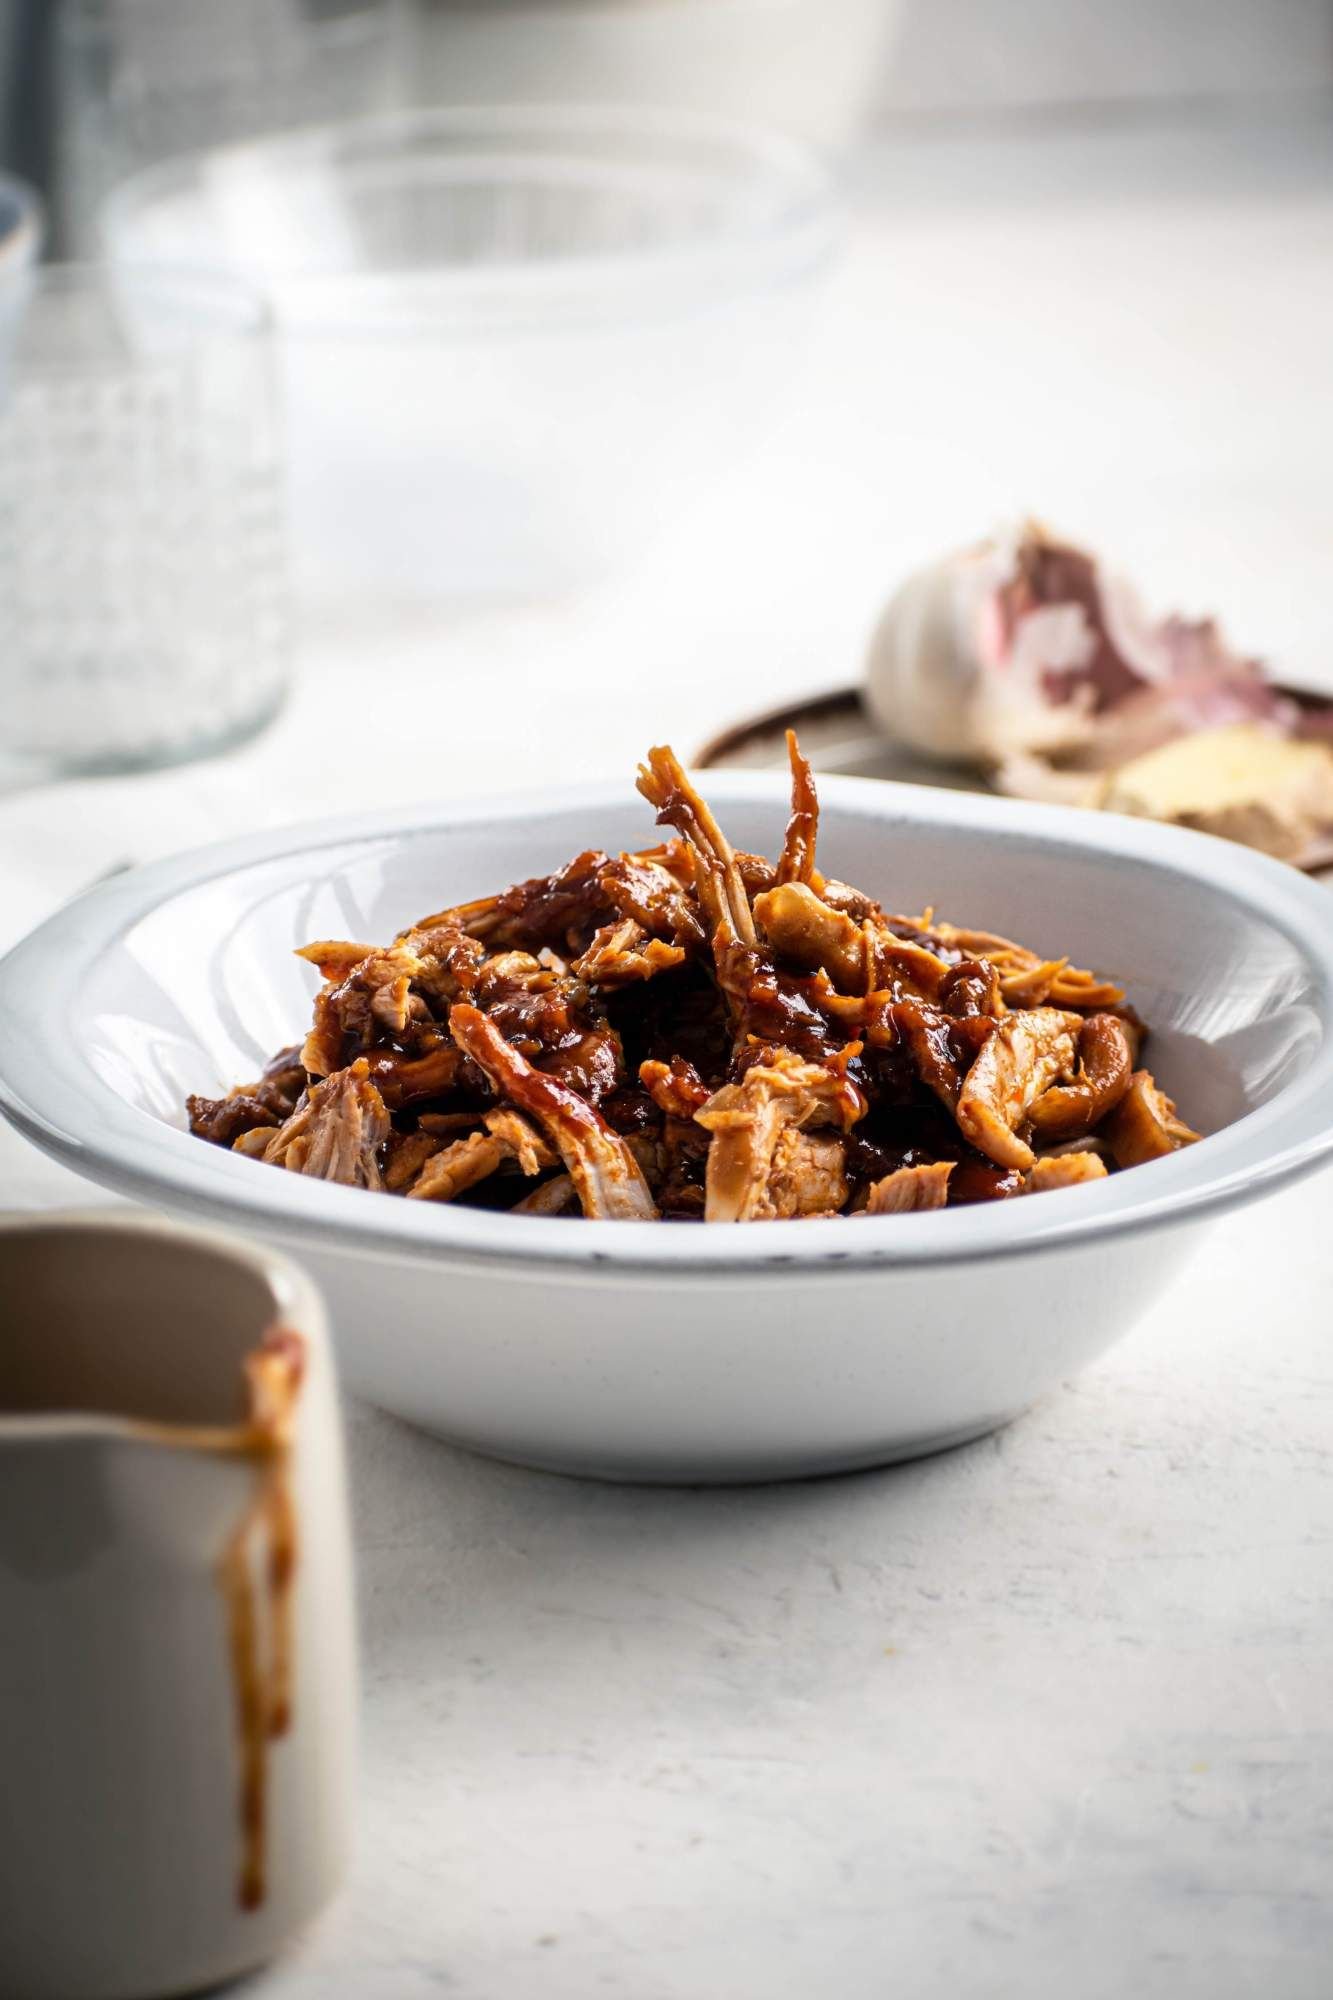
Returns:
(264, 1543)
(263, 1686)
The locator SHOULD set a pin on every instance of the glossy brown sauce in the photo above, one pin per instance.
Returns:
(262, 1549)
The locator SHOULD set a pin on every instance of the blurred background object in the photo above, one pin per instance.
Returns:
(812, 68)
(21, 225)
(1055, 217)
(141, 80)
(515, 342)
(142, 595)
(977, 58)
(110, 85)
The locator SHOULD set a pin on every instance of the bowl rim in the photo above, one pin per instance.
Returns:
(51, 1093)
(799, 234)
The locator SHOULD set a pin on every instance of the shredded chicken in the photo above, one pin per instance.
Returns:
(1058, 1170)
(797, 861)
(623, 952)
(748, 1119)
(604, 1171)
(405, 1155)
(663, 782)
(1027, 980)
(812, 935)
(1144, 1126)
(676, 1088)
(696, 1033)
(1021, 1057)
(643, 887)
(375, 990)
(555, 1196)
(807, 1176)
(1104, 1069)
(454, 1169)
(336, 1133)
(910, 1188)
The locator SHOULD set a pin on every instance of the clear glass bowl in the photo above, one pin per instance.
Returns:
(142, 570)
(142, 80)
(515, 341)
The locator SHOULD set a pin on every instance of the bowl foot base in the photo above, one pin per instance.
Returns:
(741, 1468)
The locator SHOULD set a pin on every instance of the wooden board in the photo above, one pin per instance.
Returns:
(838, 735)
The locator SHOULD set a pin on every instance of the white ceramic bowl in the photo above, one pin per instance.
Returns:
(515, 341)
(648, 1351)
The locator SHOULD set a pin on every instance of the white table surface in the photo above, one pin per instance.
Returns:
(1051, 1714)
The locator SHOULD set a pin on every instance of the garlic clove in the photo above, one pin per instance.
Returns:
(923, 670)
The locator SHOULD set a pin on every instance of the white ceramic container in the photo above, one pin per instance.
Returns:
(153, 1840)
(648, 1351)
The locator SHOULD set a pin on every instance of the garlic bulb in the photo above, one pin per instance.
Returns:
(992, 652)
(1027, 658)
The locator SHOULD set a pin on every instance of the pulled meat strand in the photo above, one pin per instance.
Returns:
(676, 1088)
(643, 886)
(604, 1171)
(1105, 1066)
(813, 936)
(747, 1120)
(909, 1189)
(405, 1154)
(663, 782)
(263, 1104)
(456, 1168)
(555, 1196)
(1144, 1125)
(1021, 1057)
(623, 952)
(807, 1176)
(1026, 979)
(1060, 1170)
(797, 861)
(335, 1133)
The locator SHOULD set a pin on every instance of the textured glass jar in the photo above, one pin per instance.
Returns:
(143, 603)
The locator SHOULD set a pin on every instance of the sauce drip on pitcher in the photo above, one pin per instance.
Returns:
(256, 1574)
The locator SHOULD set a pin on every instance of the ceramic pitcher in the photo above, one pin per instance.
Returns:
(177, 1677)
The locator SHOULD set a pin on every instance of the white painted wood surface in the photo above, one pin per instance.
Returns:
(1053, 1714)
